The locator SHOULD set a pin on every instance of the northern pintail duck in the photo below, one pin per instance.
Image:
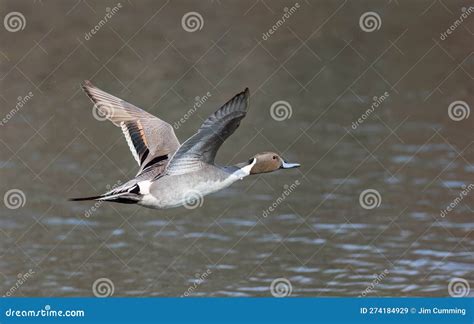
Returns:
(170, 173)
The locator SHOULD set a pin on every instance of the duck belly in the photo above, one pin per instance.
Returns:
(183, 190)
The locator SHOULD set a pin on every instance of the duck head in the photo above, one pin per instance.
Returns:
(269, 162)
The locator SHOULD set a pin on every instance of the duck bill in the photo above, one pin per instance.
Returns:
(286, 165)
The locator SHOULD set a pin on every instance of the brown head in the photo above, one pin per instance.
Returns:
(269, 162)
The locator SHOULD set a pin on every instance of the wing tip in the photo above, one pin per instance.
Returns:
(86, 84)
(89, 89)
(242, 97)
(246, 94)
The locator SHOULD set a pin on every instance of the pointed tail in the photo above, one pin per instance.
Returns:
(86, 198)
(122, 197)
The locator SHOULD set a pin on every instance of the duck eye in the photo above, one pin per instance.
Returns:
(274, 157)
(250, 161)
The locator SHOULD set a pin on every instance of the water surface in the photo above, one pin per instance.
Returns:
(319, 237)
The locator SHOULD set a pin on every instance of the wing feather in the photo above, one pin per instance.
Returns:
(148, 136)
(202, 147)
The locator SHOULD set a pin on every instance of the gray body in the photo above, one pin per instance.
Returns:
(183, 189)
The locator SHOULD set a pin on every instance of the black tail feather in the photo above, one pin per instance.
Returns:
(85, 198)
(123, 198)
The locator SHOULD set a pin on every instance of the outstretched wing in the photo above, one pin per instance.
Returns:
(202, 147)
(150, 139)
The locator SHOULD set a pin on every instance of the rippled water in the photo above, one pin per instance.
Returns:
(319, 237)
